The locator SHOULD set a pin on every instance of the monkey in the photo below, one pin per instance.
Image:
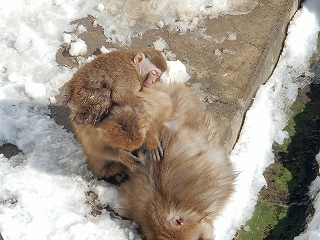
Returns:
(108, 144)
(180, 196)
(113, 80)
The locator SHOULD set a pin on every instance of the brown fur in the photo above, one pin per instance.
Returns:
(159, 108)
(108, 144)
(179, 197)
(108, 115)
(111, 78)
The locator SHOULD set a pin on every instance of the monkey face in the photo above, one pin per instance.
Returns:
(180, 229)
(153, 75)
(149, 70)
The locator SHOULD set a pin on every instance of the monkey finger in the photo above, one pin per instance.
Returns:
(135, 160)
(159, 153)
(160, 150)
(155, 154)
(89, 120)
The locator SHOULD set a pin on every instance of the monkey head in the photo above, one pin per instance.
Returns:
(151, 65)
(184, 226)
(88, 96)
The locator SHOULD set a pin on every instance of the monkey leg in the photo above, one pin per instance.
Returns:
(124, 128)
(103, 168)
(110, 162)
(89, 106)
(152, 146)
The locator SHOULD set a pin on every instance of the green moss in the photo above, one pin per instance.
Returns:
(265, 217)
(296, 108)
(282, 208)
(281, 176)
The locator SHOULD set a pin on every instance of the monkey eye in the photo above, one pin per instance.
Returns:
(155, 73)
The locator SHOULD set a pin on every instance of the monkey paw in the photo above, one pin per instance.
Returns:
(129, 160)
(156, 154)
(153, 148)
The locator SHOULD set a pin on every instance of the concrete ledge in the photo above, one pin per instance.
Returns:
(226, 67)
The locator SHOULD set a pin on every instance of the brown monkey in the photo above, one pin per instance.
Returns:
(110, 81)
(179, 197)
(108, 144)
(112, 78)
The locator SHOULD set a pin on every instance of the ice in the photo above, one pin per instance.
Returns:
(232, 36)
(176, 72)
(78, 47)
(67, 38)
(100, 7)
(22, 43)
(103, 49)
(160, 44)
(13, 77)
(160, 24)
(35, 90)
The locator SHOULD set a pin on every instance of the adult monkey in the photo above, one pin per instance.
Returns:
(107, 114)
(179, 197)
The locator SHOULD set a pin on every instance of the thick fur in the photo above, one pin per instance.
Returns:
(158, 107)
(192, 182)
(108, 144)
(108, 114)
(111, 78)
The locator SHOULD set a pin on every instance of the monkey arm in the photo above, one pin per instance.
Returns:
(104, 159)
(158, 106)
(152, 144)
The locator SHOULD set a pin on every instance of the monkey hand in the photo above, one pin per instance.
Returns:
(129, 160)
(156, 154)
(154, 149)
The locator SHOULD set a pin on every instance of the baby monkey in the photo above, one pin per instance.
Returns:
(108, 113)
(112, 78)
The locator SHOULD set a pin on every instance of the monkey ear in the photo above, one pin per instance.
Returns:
(176, 222)
(70, 104)
(139, 58)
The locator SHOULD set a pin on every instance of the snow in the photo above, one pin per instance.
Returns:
(267, 117)
(78, 47)
(176, 72)
(44, 190)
